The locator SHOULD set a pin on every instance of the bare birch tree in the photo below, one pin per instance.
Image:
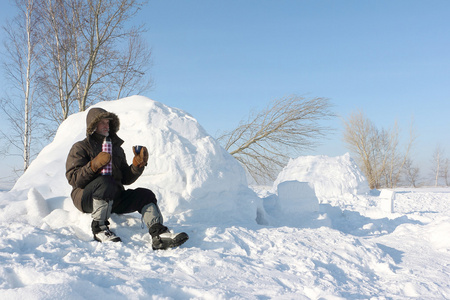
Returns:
(445, 172)
(396, 158)
(61, 57)
(20, 68)
(262, 144)
(438, 161)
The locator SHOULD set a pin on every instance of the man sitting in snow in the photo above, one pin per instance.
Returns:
(100, 195)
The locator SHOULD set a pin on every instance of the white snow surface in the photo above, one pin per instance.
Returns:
(349, 249)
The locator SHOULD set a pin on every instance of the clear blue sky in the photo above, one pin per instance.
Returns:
(218, 60)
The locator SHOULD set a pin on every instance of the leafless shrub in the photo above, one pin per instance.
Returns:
(376, 151)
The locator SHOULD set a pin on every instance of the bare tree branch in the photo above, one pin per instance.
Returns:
(263, 143)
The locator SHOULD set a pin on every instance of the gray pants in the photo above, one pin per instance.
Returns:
(151, 215)
(102, 211)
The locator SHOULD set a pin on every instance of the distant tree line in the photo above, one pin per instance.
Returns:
(63, 56)
(288, 126)
(384, 162)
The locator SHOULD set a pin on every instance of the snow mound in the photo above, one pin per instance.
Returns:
(193, 177)
(36, 204)
(331, 177)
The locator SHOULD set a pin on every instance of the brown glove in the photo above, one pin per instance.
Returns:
(101, 160)
(140, 160)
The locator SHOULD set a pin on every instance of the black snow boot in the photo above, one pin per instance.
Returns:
(102, 233)
(163, 239)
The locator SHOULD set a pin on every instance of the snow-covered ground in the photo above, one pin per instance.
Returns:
(318, 233)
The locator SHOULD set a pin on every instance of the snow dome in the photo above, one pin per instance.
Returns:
(331, 176)
(192, 176)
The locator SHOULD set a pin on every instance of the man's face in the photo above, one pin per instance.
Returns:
(103, 127)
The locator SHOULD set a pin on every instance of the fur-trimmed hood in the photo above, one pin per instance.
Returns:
(95, 115)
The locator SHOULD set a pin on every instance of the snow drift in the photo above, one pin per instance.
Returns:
(194, 178)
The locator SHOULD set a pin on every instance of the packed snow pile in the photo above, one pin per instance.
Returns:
(192, 176)
(331, 177)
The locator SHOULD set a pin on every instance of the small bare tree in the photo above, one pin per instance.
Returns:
(445, 172)
(22, 49)
(411, 173)
(376, 151)
(438, 162)
(363, 139)
(263, 143)
(396, 160)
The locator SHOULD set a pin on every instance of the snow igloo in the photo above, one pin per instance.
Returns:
(330, 177)
(193, 177)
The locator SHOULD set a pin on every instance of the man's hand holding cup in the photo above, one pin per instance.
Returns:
(140, 156)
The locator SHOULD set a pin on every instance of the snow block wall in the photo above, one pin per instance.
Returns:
(387, 198)
(193, 177)
(297, 197)
(331, 177)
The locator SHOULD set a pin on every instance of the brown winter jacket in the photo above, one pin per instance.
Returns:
(78, 164)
